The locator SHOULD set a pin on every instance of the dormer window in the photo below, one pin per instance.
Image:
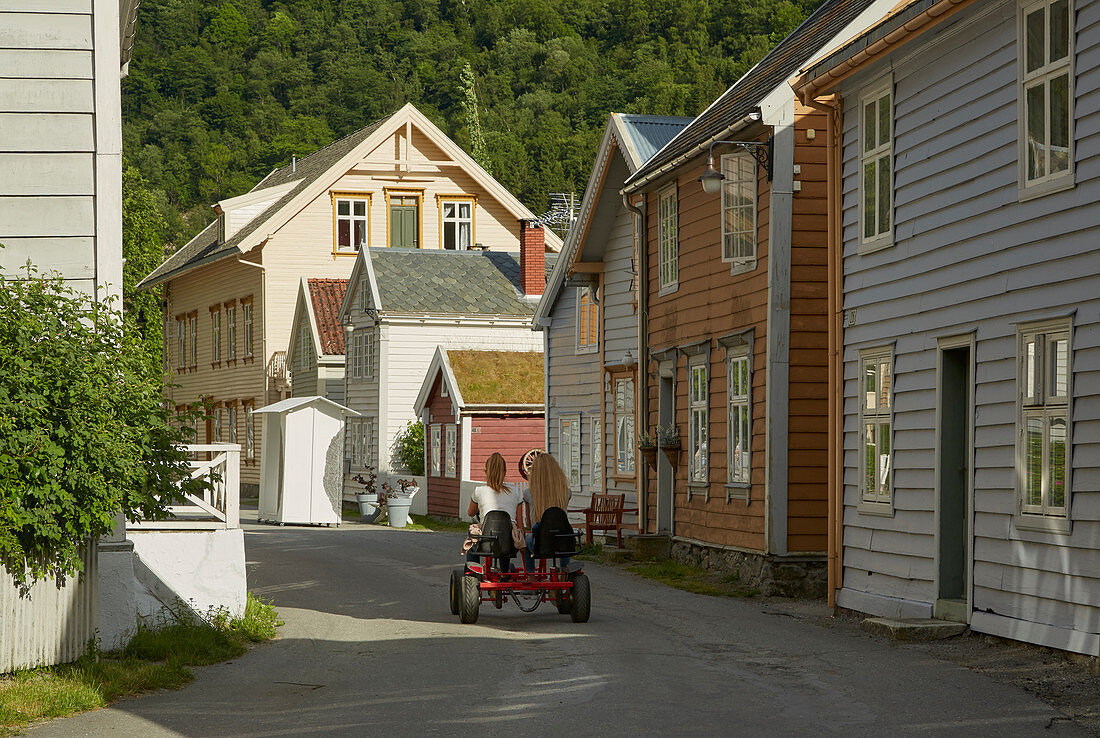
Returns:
(352, 231)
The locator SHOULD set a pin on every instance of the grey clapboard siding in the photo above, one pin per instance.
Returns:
(968, 257)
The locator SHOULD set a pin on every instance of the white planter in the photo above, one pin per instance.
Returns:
(397, 508)
(368, 505)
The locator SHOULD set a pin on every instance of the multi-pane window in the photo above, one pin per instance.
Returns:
(435, 443)
(876, 157)
(588, 320)
(223, 422)
(1046, 87)
(231, 411)
(875, 406)
(305, 348)
(193, 338)
(364, 292)
(450, 450)
(249, 432)
(739, 434)
(231, 331)
(366, 438)
(569, 440)
(218, 413)
(351, 224)
(246, 316)
(597, 454)
(1044, 420)
(739, 209)
(698, 417)
(668, 244)
(362, 358)
(181, 343)
(215, 334)
(624, 426)
(458, 224)
(360, 442)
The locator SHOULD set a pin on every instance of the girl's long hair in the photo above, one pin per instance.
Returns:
(495, 471)
(549, 487)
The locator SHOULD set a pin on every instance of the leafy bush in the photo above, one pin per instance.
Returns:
(84, 432)
(408, 448)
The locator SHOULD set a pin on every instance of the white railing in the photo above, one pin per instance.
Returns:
(220, 503)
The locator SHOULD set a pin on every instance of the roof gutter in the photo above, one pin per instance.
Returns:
(631, 188)
(808, 87)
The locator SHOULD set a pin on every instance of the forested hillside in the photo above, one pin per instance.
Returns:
(221, 93)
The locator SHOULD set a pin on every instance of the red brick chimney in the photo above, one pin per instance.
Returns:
(532, 258)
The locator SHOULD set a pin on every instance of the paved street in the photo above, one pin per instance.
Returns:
(370, 647)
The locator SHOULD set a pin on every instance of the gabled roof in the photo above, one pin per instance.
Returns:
(313, 175)
(435, 282)
(745, 96)
(295, 403)
(635, 138)
(326, 296)
(484, 379)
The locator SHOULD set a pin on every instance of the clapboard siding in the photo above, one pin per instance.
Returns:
(969, 258)
(511, 436)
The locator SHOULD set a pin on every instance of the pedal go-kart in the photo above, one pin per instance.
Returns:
(495, 579)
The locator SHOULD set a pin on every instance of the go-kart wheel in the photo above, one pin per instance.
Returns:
(498, 598)
(561, 601)
(470, 600)
(580, 601)
(455, 590)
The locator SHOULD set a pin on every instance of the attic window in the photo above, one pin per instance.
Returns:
(352, 231)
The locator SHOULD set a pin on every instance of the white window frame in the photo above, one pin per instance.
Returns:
(370, 347)
(699, 421)
(588, 308)
(450, 450)
(436, 451)
(249, 433)
(303, 352)
(668, 240)
(739, 172)
(367, 444)
(364, 293)
(181, 343)
(231, 410)
(1040, 397)
(597, 454)
(216, 335)
(456, 222)
(352, 219)
(193, 334)
(231, 331)
(623, 418)
(246, 317)
(879, 499)
(879, 239)
(738, 408)
(569, 449)
(1042, 76)
(218, 412)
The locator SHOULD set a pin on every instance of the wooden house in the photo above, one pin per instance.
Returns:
(472, 404)
(965, 298)
(589, 319)
(733, 288)
(315, 354)
(401, 305)
(230, 293)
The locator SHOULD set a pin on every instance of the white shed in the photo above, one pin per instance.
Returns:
(302, 470)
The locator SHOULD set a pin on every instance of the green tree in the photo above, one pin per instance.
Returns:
(470, 118)
(408, 448)
(143, 249)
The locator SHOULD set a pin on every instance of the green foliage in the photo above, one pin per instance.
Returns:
(83, 431)
(470, 117)
(258, 623)
(219, 94)
(143, 229)
(408, 448)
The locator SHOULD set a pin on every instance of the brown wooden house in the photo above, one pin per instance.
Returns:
(733, 333)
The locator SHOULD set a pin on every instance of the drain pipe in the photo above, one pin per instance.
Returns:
(641, 387)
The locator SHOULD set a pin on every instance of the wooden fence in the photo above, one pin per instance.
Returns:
(220, 504)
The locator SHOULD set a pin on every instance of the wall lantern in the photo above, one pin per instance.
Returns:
(711, 179)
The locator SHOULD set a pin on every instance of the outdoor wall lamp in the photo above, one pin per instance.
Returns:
(628, 359)
(349, 328)
(711, 179)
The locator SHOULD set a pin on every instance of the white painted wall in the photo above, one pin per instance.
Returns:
(204, 568)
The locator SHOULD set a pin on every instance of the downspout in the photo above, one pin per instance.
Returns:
(641, 387)
(263, 312)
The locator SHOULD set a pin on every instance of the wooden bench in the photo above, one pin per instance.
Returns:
(605, 513)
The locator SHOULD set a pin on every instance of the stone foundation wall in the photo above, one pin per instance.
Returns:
(774, 576)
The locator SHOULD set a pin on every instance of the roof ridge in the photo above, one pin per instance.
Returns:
(329, 145)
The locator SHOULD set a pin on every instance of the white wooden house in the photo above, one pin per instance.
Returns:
(402, 304)
(966, 293)
(315, 355)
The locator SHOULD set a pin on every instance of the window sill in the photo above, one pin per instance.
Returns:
(698, 488)
(1043, 524)
(215, 364)
(881, 509)
(669, 290)
(345, 253)
(1062, 183)
(581, 350)
(624, 477)
(738, 491)
(879, 244)
(741, 267)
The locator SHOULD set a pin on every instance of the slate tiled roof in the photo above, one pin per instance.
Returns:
(205, 248)
(498, 377)
(451, 282)
(781, 63)
(327, 295)
(648, 133)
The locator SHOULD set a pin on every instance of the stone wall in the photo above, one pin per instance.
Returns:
(774, 576)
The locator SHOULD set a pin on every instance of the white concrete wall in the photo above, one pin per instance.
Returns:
(205, 569)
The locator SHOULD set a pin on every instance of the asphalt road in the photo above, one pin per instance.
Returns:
(370, 647)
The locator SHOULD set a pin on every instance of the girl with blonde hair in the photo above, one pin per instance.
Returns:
(549, 488)
(495, 494)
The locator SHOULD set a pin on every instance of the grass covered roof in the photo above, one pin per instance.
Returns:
(498, 377)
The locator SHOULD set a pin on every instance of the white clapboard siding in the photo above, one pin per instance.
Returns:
(44, 30)
(46, 63)
(968, 257)
(33, 132)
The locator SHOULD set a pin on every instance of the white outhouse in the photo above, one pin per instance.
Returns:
(302, 469)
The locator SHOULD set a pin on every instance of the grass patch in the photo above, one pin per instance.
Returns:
(155, 658)
(427, 522)
(591, 552)
(693, 579)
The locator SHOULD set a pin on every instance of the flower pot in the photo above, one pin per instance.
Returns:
(398, 510)
(672, 453)
(369, 509)
(650, 455)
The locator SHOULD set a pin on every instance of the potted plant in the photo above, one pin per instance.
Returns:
(647, 444)
(668, 439)
(370, 505)
(398, 501)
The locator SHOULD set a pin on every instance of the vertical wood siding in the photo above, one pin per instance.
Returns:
(443, 491)
(969, 257)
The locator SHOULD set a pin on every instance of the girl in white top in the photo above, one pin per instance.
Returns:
(496, 495)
